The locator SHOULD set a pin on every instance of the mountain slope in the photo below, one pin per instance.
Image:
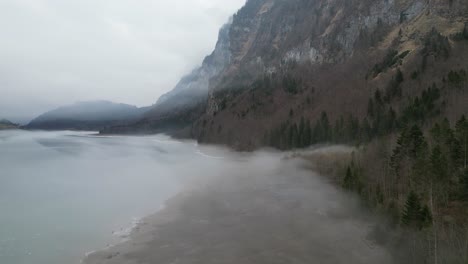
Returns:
(294, 59)
(280, 61)
(94, 115)
(388, 75)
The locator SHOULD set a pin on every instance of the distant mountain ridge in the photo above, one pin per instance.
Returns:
(91, 115)
(7, 124)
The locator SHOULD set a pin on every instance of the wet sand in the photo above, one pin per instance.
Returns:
(283, 213)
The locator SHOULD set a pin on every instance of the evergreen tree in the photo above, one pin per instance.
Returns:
(414, 141)
(301, 133)
(436, 133)
(411, 148)
(378, 98)
(354, 128)
(400, 151)
(370, 108)
(439, 165)
(399, 76)
(294, 137)
(417, 144)
(445, 136)
(322, 130)
(308, 133)
(465, 31)
(352, 179)
(326, 129)
(348, 179)
(317, 133)
(366, 130)
(425, 219)
(414, 214)
(462, 136)
(412, 211)
(338, 130)
(464, 185)
(390, 122)
(291, 135)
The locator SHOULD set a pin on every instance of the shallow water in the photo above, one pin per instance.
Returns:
(63, 194)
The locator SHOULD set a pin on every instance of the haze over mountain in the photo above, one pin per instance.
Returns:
(94, 115)
(58, 52)
(7, 124)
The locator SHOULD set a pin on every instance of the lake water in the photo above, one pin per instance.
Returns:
(63, 194)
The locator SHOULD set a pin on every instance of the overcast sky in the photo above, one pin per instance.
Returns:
(56, 52)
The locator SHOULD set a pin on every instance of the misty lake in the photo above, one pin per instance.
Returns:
(66, 194)
(63, 194)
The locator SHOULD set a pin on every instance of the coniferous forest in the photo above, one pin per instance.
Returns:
(410, 164)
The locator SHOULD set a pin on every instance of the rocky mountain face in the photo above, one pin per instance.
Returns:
(281, 61)
(95, 115)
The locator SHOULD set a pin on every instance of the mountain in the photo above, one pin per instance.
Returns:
(93, 115)
(6, 124)
(389, 76)
(184, 104)
(277, 62)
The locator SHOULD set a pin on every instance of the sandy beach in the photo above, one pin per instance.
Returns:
(284, 214)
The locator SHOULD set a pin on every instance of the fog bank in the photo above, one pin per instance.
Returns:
(253, 208)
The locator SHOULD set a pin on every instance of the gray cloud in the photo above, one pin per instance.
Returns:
(56, 52)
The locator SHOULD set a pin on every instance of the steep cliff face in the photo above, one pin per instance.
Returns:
(279, 61)
(299, 58)
(193, 88)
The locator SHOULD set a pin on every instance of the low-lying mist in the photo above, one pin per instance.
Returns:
(71, 191)
(261, 207)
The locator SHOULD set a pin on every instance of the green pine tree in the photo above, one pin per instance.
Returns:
(308, 134)
(370, 108)
(439, 165)
(425, 217)
(325, 127)
(348, 179)
(301, 133)
(464, 185)
(462, 136)
(412, 211)
(366, 130)
(417, 144)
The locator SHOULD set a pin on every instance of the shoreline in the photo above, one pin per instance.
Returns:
(140, 227)
(255, 218)
(125, 234)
